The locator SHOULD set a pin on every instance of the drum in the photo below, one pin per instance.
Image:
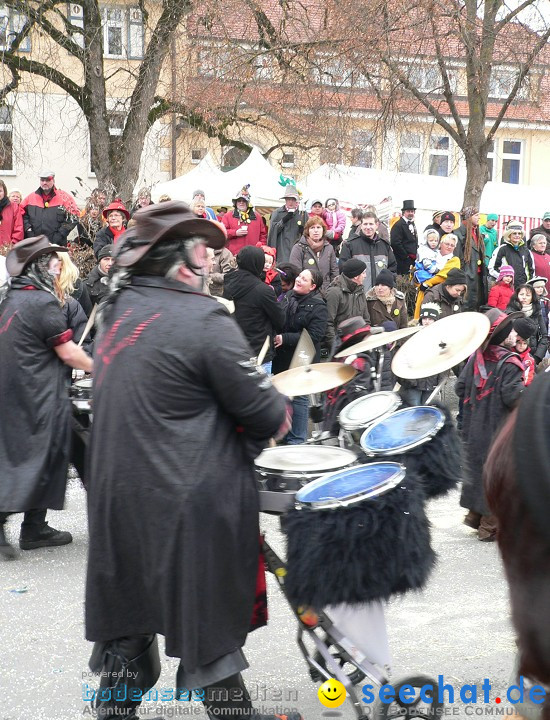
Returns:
(357, 535)
(81, 395)
(282, 471)
(425, 440)
(362, 412)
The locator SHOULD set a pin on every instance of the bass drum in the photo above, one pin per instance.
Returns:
(282, 471)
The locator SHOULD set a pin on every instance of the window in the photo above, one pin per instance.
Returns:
(6, 139)
(122, 32)
(288, 159)
(409, 157)
(511, 161)
(75, 15)
(502, 81)
(117, 120)
(363, 149)
(11, 23)
(491, 159)
(264, 67)
(216, 62)
(427, 78)
(332, 71)
(439, 155)
(197, 155)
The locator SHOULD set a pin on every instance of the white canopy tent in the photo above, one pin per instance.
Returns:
(221, 187)
(361, 186)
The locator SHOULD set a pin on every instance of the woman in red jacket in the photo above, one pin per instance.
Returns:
(244, 226)
(11, 219)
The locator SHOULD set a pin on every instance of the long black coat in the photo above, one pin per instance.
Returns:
(36, 411)
(476, 271)
(484, 412)
(179, 415)
(404, 243)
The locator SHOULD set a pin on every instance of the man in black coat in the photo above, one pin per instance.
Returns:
(257, 311)
(97, 281)
(490, 385)
(404, 238)
(180, 413)
(35, 345)
(368, 246)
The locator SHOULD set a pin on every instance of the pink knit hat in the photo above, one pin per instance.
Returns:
(505, 270)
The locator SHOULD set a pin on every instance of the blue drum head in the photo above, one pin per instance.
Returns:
(350, 486)
(402, 431)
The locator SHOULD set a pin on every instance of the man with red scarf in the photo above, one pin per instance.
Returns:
(490, 385)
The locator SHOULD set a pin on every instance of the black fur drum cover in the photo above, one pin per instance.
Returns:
(438, 463)
(368, 551)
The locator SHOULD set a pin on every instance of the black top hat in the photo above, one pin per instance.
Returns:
(25, 251)
(158, 222)
(408, 205)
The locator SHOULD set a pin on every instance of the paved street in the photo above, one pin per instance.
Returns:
(458, 627)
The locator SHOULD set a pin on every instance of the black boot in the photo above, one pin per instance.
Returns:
(36, 533)
(228, 699)
(125, 664)
(7, 551)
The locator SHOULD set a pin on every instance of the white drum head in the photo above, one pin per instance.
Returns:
(365, 410)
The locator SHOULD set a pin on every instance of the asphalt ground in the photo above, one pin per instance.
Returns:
(458, 627)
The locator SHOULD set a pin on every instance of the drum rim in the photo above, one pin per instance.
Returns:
(353, 425)
(306, 472)
(333, 503)
(409, 446)
(84, 384)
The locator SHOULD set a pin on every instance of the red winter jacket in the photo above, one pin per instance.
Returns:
(500, 294)
(256, 231)
(11, 227)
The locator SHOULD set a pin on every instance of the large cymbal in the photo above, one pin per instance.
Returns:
(312, 379)
(441, 346)
(377, 340)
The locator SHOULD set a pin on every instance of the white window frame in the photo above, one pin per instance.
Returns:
(215, 61)
(290, 162)
(13, 21)
(493, 156)
(8, 127)
(427, 77)
(512, 156)
(331, 71)
(264, 67)
(502, 80)
(411, 150)
(363, 142)
(439, 152)
(130, 17)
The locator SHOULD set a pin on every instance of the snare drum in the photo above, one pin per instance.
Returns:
(424, 438)
(364, 411)
(282, 471)
(81, 395)
(357, 535)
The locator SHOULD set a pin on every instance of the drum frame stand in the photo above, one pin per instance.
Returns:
(347, 653)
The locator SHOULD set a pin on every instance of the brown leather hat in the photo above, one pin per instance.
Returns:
(28, 250)
(156, 222)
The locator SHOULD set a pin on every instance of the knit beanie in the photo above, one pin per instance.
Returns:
(385, 277)
(430, 310)
(525, 328)
(505, 270)
(456, 277)
(353, 267)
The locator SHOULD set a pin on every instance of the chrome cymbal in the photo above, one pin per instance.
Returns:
(441, 346)
(312, 379)
(377, 340)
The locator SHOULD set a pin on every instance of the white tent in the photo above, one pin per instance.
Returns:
(220, 187)
(181, 188)
(360, 186)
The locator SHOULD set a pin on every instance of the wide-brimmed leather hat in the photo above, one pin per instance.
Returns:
(25, 251)
(158, 222)
(502, 325)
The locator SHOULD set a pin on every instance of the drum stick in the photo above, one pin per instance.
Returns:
(89, 326)
(396, 387)
(263, 351)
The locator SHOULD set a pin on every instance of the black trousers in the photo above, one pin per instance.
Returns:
(32, 518)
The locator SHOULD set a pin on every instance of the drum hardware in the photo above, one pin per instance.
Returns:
(312, 379)
(441, 346)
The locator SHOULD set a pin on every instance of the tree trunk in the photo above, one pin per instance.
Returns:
(477, 175)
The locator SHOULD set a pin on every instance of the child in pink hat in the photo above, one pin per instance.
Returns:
(503, 289)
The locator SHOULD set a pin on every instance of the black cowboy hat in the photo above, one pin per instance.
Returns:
(25, 251)
(156, 222)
